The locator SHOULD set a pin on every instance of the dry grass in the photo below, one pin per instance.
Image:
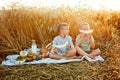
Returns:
(19, 26)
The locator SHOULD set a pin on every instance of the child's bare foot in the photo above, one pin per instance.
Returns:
(91, 56)
(79, 57)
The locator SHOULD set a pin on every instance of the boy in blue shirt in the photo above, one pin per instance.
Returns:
(68, 51)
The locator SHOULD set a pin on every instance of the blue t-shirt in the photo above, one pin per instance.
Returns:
(58, 40)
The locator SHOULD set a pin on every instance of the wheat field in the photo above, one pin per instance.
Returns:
(18, 26)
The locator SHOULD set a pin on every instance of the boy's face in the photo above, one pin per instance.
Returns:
(85, 27)
(65, 30)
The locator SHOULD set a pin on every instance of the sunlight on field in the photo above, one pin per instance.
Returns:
(24, 20)
(93, 4)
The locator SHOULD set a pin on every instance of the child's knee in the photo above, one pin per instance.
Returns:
(74, 50)
(77, 48)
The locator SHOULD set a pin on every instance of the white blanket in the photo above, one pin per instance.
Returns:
(10, 60)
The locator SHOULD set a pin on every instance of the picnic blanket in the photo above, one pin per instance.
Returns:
(10, 60)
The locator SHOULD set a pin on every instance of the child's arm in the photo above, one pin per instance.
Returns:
(54, 49)
(70, 43)
(92, 43)
(78, 41)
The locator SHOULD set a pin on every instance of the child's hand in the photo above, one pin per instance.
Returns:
(68, 46)
(90, 35)
(82, 35)
(55, 49)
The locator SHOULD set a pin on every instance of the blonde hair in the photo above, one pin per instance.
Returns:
(84, 23)
(61, 25)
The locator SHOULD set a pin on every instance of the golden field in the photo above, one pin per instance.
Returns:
(18, 26)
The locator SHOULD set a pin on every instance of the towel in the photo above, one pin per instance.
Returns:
(11, 59)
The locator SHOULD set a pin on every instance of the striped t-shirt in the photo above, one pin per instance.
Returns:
(85, 44)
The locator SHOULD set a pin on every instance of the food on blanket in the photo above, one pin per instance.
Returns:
(27, 58)
(44, 52)
(20, 60)
(89, 31)
(23, 53)
(61, 46)
(32, 56)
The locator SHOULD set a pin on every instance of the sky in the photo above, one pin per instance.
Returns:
(93, 4)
